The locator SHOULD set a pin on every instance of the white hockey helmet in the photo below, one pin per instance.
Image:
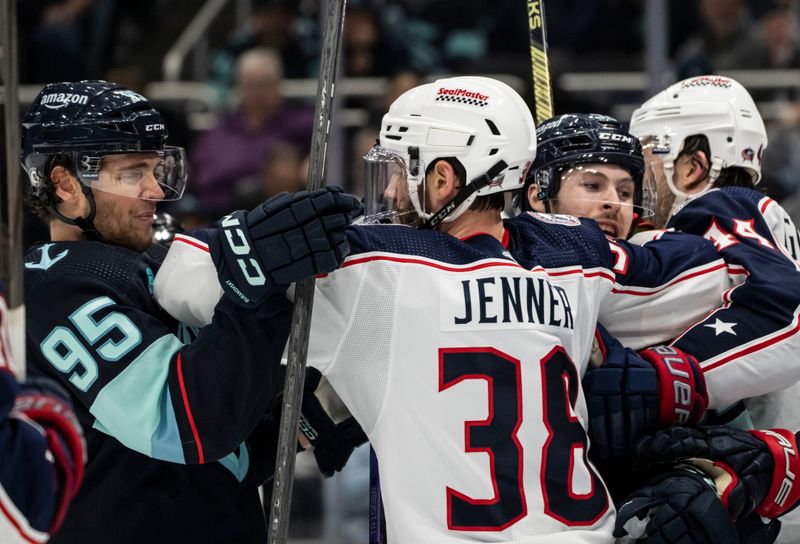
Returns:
(481, 122)
(716, 107)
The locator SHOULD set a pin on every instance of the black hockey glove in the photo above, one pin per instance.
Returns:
(325, 422)
(753, 529)
(328, 425)
(631, 394)
(677, 506)
(754, 470)
(290, 237)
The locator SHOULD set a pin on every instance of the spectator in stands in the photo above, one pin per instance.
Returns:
(47, 26)
(275, 24)
(723, 41)
(234, 149)
(370, 49)
(282, 170)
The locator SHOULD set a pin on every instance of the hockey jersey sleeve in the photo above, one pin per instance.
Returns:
(36, 488)
(749, 346)
(661, 288)
(105, 338)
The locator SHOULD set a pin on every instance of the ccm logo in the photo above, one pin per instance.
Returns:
(157, 126)
(250, 268)
(614, 137)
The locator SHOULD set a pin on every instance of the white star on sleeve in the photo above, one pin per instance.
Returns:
(720, 326)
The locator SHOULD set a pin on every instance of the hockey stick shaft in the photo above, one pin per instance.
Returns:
(281, 497)
(542, 87)
(11, 213)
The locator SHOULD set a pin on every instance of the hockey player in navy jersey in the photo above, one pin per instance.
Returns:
(42, 451)
(587, 165)
(459, 348)
(705, 139)
(174, 417)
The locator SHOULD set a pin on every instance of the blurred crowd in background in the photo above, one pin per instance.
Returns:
(254, 140)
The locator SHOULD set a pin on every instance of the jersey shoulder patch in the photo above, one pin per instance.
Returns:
(556, 219)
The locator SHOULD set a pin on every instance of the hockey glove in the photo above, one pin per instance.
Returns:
(677, 506)
(631, 394)
(325, 422)
(291, 236)
(328, 425)
(761, 465)
(45, 403)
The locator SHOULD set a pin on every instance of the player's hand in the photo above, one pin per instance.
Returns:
(44, 402)
(677, 506)
(291, 236)
(631, 394)
(328, 425)
(761, 466)
(325, 424)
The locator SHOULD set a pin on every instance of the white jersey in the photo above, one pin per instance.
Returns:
(463, 366)
(466, 379)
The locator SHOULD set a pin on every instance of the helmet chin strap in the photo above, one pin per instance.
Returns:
(86, 224)
(458, 204)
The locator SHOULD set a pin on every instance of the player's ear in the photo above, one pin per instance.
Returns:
(533, 193)
(698, 167)
(66, 185)
(443, 180)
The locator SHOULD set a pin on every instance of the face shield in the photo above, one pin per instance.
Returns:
(606, 193)
(147, 175)
(386, 192)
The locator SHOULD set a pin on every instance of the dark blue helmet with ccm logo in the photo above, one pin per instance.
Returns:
(572, 139)
(81, 122)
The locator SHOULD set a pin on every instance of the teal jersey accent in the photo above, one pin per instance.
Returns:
(237, 462)
(136, 408)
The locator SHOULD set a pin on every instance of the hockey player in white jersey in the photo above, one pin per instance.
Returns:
(459, 358)
(705, 138)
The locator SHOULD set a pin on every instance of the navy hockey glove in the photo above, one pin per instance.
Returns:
(290, 237)
(753, 529)
(325, 422)
(44, 402)
(761, 466)
(632, 394)
(677, 506)
(328, 425)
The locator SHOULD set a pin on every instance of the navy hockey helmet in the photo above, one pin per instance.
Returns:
(573, 139)
(87, 120)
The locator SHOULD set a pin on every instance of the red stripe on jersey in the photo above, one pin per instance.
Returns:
(765, 202)
(191, 242)
(756, 347)
(654, 290)
(200, 458)
(440, 266)
(595, 273)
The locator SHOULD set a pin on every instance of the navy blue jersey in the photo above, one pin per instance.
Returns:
(749, 345)
(166, 419)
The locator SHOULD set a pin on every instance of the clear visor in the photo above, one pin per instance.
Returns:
(147, 175)
(613, 188)
(386, 196)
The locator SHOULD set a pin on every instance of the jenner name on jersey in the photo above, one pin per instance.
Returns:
(501, 299)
